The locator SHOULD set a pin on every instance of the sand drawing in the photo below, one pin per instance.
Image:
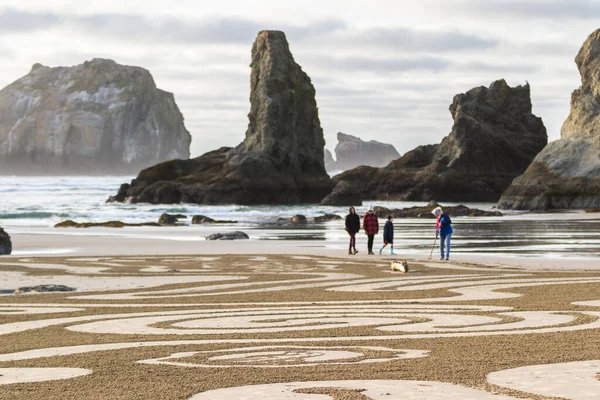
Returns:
(183, 314)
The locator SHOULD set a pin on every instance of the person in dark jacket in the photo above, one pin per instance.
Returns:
(352, 227)
(443, 227)
(388, 235)
(371, 228)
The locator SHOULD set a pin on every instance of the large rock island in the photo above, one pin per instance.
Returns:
(352, 151)
(566, 174)
(494, 138)
(95, 118)
(280, 160)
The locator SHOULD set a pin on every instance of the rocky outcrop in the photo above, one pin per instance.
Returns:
(203, 219)
(109, 224)
(298, 219)
(281, 158)
(345, 193)
(327, 218)
(44, 289)
(425, 212)
(351, 152)
(170, 219)
(95, 118)
(566, 174)
(236, 235)
(493, 140)
(5, 243)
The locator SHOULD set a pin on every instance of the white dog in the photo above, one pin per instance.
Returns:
(400, 266)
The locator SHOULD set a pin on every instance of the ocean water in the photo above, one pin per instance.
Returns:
(36, 204)
(45, 201)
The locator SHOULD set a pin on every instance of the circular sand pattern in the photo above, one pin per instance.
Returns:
(359, 390)
(382, 318)
(288, 356)
(573, 380)
(284, 312)
(22, 375)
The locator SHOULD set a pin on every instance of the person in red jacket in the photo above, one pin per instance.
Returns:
(371, 228)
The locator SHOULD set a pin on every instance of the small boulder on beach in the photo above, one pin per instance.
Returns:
(170, 219)
(298, 219)
(5, 243)
(327, 218)
(44, 289)
(203, 219)
(110, 224)
(236, 235)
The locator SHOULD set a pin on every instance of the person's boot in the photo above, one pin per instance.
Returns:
(392, 251)
(355, 251)
(380, 250)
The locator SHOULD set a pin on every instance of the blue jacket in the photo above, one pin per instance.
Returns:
(445, 224)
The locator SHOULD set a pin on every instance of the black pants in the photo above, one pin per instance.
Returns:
(352, 241)
(370, 242)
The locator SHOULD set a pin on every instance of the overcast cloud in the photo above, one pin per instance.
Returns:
(386, 72)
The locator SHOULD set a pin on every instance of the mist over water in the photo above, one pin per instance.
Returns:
(36, 204)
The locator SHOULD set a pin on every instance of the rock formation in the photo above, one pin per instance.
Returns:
(170, 219)
(109, 224)
(5, 243)
(566, 174)
(327, 218)
(44, 289)
(236, 235)
(95, 118)
(299, 219)
(351, 152)
(425, 212)
(203, 219)
(330, 163)
(494, 138)
(281, 158)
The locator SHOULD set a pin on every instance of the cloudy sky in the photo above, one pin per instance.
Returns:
(383, 70)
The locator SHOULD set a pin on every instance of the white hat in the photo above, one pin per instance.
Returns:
(370, 208)
(437, 211)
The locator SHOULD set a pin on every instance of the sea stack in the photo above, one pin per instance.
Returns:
(279, 162)
(494, 138)
(566, 174)
(95, 118)
(352, 151)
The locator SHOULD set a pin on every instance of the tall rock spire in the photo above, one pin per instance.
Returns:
(280, 159)
(566, 174)
(283, 120)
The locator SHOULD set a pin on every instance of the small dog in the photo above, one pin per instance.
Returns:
(399, 266)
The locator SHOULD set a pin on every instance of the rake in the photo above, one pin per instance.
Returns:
(432, 247)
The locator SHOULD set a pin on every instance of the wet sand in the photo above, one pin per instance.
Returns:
(178, 241)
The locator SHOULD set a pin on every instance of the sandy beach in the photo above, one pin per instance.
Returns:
(290, 319)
